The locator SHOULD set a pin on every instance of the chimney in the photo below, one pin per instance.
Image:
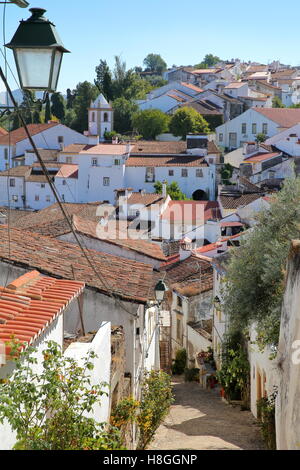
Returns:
(93, 139)
(164, 189)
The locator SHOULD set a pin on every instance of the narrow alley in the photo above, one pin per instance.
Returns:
(200, 420)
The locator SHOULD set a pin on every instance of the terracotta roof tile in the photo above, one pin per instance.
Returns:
(261, 157)
(19, 134)
(158, 161)
(128, 279)
(191, 212)
(119, 238)
(192, 87)
(106, 149)
(191, 276)
(31, 303)
(234, 202)
(284, 117)
(145, 198)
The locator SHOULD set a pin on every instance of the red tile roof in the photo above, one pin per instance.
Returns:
(261, 157)
(192, 87)
(31, 303)
(3, 131)
(76, 148)
(118, 238)
(129, 280)
(158, 161)
(106, 149)
(145, 198)
(68, 171)
(191, 276)
(194, 212)
(19, 134)
(284, 117)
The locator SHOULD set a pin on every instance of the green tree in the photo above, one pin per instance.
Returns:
(150, 123)
(261, 137)
(255, 271)
(47, 110)
(277, 103)
(70, 98)
(85, 93)
(47, 409)
(123, 112)
(58, 106)
(103, 80)
(155, 63)
(173, 190)
(209, 61)
(188, 121)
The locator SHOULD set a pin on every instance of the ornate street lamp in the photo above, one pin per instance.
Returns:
(160, 290)
(38, 52)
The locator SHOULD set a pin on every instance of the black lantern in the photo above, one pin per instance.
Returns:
(160, 290)
(38, 52)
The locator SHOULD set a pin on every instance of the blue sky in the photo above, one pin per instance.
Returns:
(182, 32)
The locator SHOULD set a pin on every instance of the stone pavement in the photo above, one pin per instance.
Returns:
(200, 420)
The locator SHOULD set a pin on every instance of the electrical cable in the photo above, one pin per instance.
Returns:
(56, 195)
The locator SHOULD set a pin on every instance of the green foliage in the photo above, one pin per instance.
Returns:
(294, 106)
(173, 190)
(180, 362)
(191, 375)
(234, 373)
(127, 83)
(156, 400)
(124, 412)
(150, 123)
(277, 103)
(226, 173)
(103, 80)
(260, 137)
(155, 81)
(70, 98)
(187, 121)
(214, 121)
(266, 415)
(255, 272)
(123, 111)
(58, 106)
(85, 93)
(209, 61)
(47, 110)
(154, 63)
(48, 409)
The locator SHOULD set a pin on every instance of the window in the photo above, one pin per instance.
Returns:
(199, 173)
(244, 128)
(42, 185)
(150, 175)
(48, 199)
(171, 172)
(94, 161)
(178, 329)
(106, 181)
(105, 117)
(265, 128)
(179, 301)
(220, 137)
(15, 198)
(93, 117)
(184, 173)
(63, 197)
(117, 162)
(254, 128)
(37, 198)
(69, 160)
(5, 154)
(12, 183)
(60, 139)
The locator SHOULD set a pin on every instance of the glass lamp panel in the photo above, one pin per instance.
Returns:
(34, 67)
(159, 294)
(56, 68)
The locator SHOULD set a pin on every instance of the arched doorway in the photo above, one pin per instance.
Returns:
(200, 195)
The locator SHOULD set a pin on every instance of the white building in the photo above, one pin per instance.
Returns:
(244, 128)
(45, 136)
(100, 118)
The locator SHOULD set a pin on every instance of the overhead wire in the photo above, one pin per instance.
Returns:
(56, 195)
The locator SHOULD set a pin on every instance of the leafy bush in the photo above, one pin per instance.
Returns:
(191, 375)
(180, 362)
(155, 403)
(266, 416)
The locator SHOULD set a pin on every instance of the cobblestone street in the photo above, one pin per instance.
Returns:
(199, 419)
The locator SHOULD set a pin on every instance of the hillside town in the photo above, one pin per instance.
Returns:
(152, 241)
